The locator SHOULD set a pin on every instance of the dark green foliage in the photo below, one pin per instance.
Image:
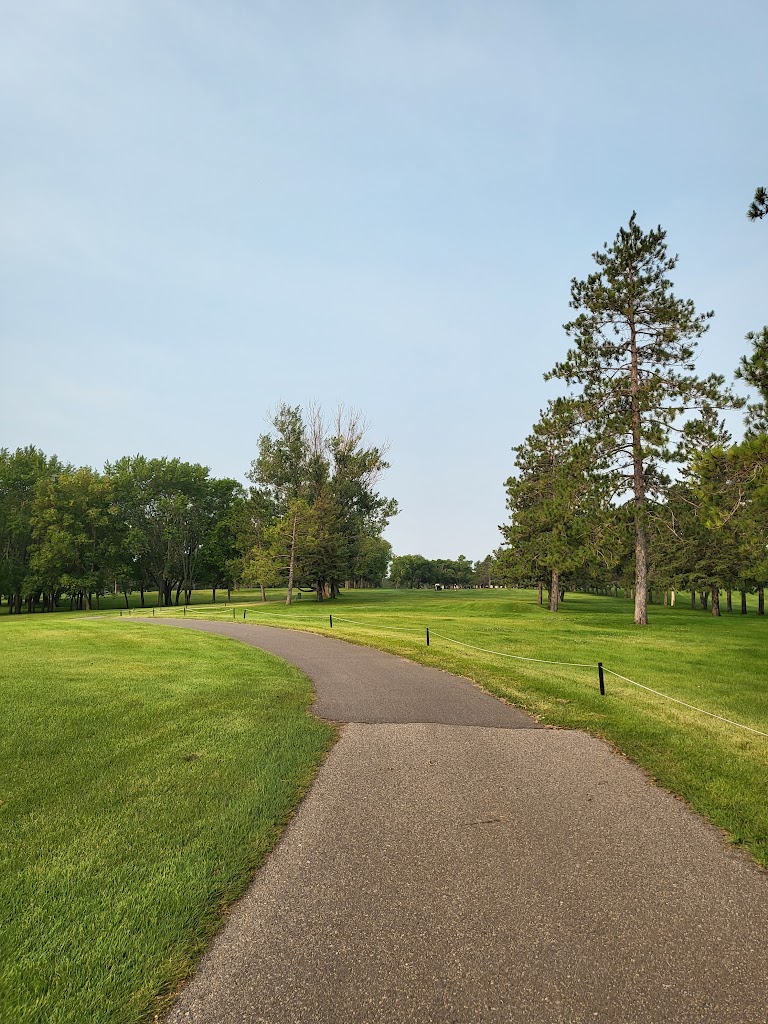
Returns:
(632, 369)
(415, 571)
(77, 531)
(560, 514)
(733, 489)
(21, 473)
(758, 208)
(753, 370)
(314, 506)
(170, 509)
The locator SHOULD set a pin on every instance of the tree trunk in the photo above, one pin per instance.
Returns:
(554, 591)
(214, 595)
(541, 593)
(729, 600)
(263, 594)
(761, 600)
(125, 595)
(638, 484)
(641, 571)
(141, 591)
(716, 602)
(743, 602)
(693, 599)
(289, 596)
(704, 600)
(229, 592)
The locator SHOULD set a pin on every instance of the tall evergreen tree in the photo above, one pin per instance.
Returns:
(553, 501)
(633, 368)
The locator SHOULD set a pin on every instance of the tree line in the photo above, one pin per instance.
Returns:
(312, 519)
(630, 479)
(415, 571)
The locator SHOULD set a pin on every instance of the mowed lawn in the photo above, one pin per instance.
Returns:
(719, 665)
(144, 774)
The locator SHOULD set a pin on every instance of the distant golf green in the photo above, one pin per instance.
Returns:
(144, 774)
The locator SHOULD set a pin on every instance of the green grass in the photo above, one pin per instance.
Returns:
(718, 665)
(144, 774)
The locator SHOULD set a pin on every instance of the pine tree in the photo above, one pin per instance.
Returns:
(554, 501)
(632, 366)
(758, 208)
(753, 370)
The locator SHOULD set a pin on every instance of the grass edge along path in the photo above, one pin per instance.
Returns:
(715, 664)
(144, 776)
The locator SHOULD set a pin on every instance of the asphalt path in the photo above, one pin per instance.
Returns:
(455, 863)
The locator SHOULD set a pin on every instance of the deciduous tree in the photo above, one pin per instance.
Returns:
(21, 472)
(315, 485)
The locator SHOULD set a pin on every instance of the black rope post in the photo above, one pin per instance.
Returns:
(243, 614)
(121, 613)
(330, 619)
(427, 636)
(185, 611)
(153, 613)
(233, 614)
(601, 678)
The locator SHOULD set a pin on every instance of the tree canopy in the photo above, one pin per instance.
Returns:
(312, 518)
(632, 373)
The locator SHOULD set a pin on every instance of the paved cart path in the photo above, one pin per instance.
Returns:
(454, 863)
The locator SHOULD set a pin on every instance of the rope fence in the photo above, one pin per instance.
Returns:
(569, 664)
(538, 661)
(666, 696)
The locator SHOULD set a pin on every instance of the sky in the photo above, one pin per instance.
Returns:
(207, 209)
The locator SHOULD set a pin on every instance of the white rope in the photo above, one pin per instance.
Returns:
(691, 706)
(516, 657)
(568, 664)
(367, 625)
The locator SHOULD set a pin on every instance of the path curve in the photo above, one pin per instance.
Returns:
(459, 871)
(359, 684)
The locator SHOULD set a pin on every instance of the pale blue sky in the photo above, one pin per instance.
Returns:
(207, 208)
